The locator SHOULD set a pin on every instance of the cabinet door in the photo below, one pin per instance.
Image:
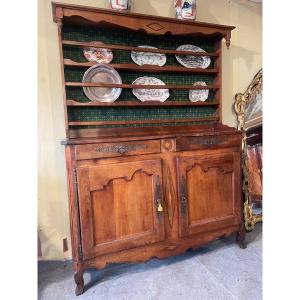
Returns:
(119, 206)
(209, 192)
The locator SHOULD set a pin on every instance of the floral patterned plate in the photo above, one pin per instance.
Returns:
(150, 94)
(199, 95)
(100, 55)
(148, 58)
(190, 61)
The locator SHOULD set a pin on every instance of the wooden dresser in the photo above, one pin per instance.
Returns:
(146, 179)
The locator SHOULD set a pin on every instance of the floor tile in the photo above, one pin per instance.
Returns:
(220, 270)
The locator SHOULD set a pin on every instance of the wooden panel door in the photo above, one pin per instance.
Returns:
(209, 192)
(120, 206)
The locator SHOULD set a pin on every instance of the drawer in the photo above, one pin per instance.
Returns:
(102, 150)
(207, 142)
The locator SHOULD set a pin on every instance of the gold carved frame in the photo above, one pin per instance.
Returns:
(241, 101)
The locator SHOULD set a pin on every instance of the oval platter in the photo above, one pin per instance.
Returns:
(190, 61)
(150, 94)
(148, 58)
(198, 95)
(106, 74)
(100, 55)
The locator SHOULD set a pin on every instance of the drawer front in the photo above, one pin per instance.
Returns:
(116, 149)
(207, 142)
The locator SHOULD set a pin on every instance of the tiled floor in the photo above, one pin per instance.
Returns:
(218, 271)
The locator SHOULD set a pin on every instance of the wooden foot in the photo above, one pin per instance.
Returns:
(78, 277)
(240, 238)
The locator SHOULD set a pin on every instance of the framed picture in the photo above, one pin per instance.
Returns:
(253, 107)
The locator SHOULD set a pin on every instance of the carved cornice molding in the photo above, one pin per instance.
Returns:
(76, 14)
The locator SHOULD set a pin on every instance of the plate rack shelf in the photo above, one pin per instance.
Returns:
(79, 28)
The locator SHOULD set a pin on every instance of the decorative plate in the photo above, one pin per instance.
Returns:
(199, 95)
(100, 55)
(150, 94)
(191, 61)
(148, 58)
(106, 74)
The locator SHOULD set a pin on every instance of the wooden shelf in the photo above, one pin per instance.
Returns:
(145, 68)
(138, 103)
(95, 123)
(138, 49)
(142, 86)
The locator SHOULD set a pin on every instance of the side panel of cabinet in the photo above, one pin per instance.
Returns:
(118, 206)
(209, 192)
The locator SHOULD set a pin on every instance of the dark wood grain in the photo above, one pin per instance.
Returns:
(139, 103)
(102, 150)
(89, 123)
(144, 68)
(114, 190)
(137, 49)
(95, 135)
(207, 142)
(208, 192)
(141, 86)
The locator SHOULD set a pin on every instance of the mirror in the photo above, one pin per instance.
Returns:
(248, 107)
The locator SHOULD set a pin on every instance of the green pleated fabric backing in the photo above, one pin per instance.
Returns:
(124, 37)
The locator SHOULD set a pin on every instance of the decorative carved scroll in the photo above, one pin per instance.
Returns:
(126, 178)
(100, 177)
(241, 101)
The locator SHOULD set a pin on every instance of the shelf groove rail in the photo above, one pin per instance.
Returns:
(137, 49)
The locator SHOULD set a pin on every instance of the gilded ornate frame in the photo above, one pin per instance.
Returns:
(241, 101)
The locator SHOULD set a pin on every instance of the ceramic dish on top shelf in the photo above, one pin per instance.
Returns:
(100, 55)
(150, 94)
(104, 74)
(199, 95)
(148, 58)
(190, 61)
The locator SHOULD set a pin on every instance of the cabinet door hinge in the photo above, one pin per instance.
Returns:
(78, 218)
(75, 178)
(80, 251)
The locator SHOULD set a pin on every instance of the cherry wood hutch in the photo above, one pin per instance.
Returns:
(145, 179)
